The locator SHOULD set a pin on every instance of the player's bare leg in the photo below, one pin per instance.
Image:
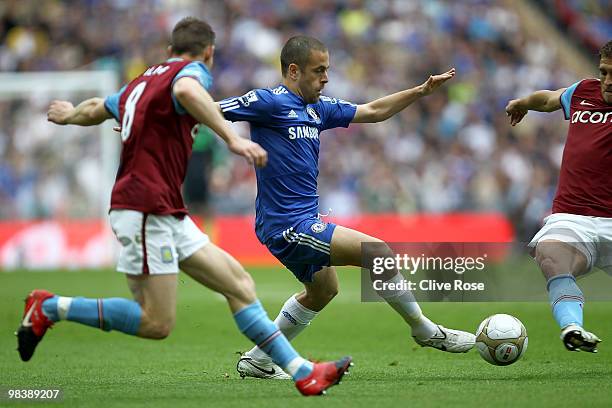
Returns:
(151, 315)
(299, 310)
(561, 263)
(295, 315)
(318, 293)
(216, 269)
(156, 295)
(219, 271)
(346, 250)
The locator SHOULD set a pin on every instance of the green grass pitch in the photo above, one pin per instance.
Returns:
(195, 366)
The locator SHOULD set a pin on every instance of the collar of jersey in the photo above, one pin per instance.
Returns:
(175, 59)
(294, 94)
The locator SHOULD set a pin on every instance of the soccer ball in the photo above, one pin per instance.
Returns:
(501, 339)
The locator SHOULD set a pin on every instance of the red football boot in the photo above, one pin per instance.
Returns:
(324, 376)
(34, 324)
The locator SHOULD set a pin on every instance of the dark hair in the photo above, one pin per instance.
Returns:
(191, 36)
(606, 50)
(297, 51)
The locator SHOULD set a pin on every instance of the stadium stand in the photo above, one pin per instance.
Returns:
(452, 152)
(588, 22)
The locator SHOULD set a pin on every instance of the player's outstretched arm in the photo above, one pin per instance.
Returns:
(198, 102)
(387, 106)
(87, 113)
(541, 101)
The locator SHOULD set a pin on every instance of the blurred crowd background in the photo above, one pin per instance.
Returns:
(451, 151)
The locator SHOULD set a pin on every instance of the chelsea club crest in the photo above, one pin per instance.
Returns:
(313, 114)
(318, 227)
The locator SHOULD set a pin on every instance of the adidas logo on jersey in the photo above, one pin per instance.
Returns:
(280, 90)
(292, 114)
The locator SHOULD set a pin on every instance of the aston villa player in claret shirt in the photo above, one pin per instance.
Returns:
(577, 236)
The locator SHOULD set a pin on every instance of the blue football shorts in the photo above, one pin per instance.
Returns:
(304, 248)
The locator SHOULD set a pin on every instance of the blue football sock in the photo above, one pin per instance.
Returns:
(107, 314)
(566, 299)
(254, 323)
(49, 308)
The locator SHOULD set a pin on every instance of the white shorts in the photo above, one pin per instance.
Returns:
(590, 235)
(154, 244)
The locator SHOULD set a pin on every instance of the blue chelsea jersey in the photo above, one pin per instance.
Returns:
(289, 130)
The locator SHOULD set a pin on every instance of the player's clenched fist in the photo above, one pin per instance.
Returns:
(434, 81)
(516, 111)
(251, 151)
(59, 112)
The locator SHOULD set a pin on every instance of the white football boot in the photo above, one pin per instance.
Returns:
(250, 367)
(452, 341)
(575, 338)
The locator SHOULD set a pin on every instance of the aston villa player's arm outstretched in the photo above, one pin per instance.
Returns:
(578, 235)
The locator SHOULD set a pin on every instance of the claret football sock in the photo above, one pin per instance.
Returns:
(403, 302)
(107, 314)
(292, 319)
(566, 300)
(253, 321)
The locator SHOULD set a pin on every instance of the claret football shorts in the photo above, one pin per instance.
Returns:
(590, 235)
(154, 244)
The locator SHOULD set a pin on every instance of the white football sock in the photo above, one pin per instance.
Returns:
(403, 302)
(292, 319)
(63, 306)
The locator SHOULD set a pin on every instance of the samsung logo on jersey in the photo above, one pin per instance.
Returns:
(591, 117)
(302, 132)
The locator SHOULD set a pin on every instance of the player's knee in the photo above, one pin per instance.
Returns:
(330, 293)
(156, 328)
(161, 330)
(548, 265)
(381, 249)
(322, 296)
(243, 289)
(247, 285)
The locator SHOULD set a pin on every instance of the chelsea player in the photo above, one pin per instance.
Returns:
(287, 121)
